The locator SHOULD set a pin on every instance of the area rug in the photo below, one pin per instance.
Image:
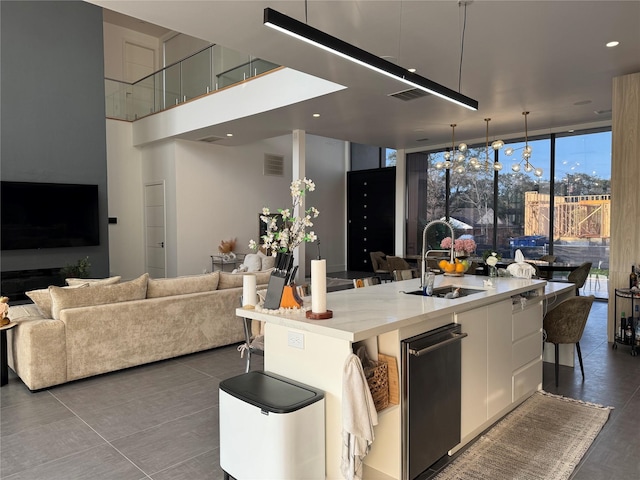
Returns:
(542, 439)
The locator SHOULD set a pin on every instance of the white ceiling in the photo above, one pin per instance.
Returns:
(546, 57)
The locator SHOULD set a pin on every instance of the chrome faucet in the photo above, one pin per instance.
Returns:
(424, 246)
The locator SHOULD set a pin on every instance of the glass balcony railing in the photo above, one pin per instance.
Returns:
(208, 70)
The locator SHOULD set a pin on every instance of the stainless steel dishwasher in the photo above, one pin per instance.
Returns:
(430, 397)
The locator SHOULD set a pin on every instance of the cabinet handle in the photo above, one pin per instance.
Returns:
(455, 337)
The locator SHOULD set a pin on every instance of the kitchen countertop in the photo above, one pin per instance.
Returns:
(362, 313)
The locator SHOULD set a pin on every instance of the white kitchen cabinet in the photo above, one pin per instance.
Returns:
(527, 349)
(486, 365)
(473, 371)
(499, 358)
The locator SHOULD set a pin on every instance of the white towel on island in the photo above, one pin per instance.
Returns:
(520, 268)
(358, 418)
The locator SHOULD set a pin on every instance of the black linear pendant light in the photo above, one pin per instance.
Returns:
(306, 33)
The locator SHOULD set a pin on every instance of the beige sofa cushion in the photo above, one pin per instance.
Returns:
(267, 261)
(62, 298)
(233, 280)
(165, 287)
(42, 298)
(253, 262)
(93, 281)
(26, 310)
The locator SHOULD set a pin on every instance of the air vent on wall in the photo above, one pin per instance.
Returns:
(273, 165)
(408, 95)
(210, 139)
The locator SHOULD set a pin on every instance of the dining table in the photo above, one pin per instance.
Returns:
(547, 269)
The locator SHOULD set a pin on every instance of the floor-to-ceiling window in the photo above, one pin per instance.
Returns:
(523, 200)
(582, 200)
(528, 207)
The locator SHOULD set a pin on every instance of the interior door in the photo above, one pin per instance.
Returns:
(155, 229)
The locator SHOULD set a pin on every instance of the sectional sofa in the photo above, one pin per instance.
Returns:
(94, 327)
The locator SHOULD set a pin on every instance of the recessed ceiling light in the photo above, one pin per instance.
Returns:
(412, 70)
(613, 44)
(229, 134)
(316, 115)
(571, 131)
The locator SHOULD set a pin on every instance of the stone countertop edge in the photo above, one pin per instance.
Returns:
(362, 313)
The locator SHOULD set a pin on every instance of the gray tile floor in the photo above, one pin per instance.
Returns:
(160, 421)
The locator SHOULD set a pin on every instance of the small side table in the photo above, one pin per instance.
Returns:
(219, 262)
(4, 362)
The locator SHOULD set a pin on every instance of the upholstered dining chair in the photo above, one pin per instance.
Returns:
(579, 276)
(380, 265)
(565, 324)
(406, 274)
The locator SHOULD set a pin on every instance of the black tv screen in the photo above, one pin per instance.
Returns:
(48, 215)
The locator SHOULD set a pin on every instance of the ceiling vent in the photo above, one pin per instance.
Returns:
(210, 139)
(411, 94)
(273, 165)
(602, 112)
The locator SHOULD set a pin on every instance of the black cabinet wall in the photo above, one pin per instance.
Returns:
(370, 215)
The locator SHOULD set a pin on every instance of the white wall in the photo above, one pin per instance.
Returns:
(159, 165)
(215, 193)
(221, 192)
(124, 177)
(326, 166)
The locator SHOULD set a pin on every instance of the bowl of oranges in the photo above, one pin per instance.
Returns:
(455, 269)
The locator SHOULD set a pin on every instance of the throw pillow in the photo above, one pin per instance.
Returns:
(42, 298)
(93, 281)
(165, 287)
(253, 262)
(26, 310)
(62, 298)
(268, 261)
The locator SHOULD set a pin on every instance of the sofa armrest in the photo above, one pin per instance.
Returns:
(36, 350)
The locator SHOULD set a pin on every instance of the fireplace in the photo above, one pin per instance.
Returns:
(14, 284)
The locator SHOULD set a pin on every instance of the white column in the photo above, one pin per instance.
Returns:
(401, 195)
(298, 170)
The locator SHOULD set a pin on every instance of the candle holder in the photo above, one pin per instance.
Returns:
(319, 316)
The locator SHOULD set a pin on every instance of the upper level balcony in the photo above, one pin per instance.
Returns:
(208, 70)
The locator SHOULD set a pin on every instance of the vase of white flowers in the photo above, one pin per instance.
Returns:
(491, 259)
(286, 230)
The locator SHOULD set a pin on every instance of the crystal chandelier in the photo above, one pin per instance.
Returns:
(487, 164)
(526, 154)
(456, 158)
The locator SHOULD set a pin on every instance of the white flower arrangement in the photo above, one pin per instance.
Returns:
(492, 260)
(284, 231)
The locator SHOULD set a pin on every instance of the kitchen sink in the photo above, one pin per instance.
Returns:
(450, 291)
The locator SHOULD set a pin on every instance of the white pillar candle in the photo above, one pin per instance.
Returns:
(249, 292)
(318, 286)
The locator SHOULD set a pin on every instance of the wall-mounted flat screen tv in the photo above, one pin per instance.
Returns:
(48, 215)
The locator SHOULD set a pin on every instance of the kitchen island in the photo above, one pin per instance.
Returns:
(501, 357)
